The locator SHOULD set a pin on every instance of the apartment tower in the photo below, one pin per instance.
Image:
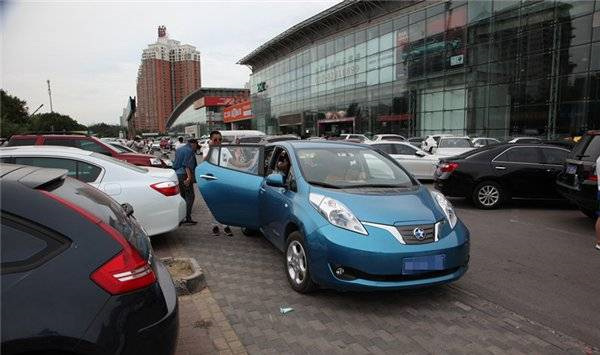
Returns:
(169, 71)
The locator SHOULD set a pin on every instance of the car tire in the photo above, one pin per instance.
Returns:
(488, 195)
(249, 232)
(296, 264)
(590, 213)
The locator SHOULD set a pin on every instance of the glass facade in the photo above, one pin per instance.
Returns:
(489, 68)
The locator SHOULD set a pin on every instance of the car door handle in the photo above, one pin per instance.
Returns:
(262, 189)
(500, 167)
(208, 177)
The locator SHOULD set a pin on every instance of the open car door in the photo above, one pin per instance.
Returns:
(230, 180)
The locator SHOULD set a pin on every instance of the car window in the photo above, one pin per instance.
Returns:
(387, 148)
(404, 149)
(92, 147)
(213, 155)
(120, 162)
(554, 156)
(455, 143)
(45, 162)
(87, 172)
(26, 245)
(21, 142)
(529, 155)
(591, 151)
(241, 158)
(60, 142)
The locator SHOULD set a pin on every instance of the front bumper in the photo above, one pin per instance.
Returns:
(376, 261)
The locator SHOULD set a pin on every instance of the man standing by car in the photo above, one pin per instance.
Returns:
(179, 143)
(184, 165)
(216, 138)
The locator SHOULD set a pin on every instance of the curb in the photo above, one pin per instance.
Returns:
(189, 284)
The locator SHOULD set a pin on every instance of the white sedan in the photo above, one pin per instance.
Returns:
(417, 162)
(452, 146)
(152, 192)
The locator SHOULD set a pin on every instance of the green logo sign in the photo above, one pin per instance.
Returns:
(260, 87)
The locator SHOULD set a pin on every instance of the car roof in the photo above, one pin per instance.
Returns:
(319, 144)
(44, 149)
(30, 176)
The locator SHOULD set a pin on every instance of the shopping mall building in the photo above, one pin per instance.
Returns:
(490, 68)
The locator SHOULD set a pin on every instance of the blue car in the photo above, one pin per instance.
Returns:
(347, 216)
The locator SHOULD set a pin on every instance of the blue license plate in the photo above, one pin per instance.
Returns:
(571, 169)
(424, 263)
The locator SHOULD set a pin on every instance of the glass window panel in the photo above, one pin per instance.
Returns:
(400, 22)
(435, 10)
(360, 36)
(386, 74)
(386, 27)
(320, 51)
(478, 96)
(578, 32)
(479, 10)
(596, 26)
(360, 51)
(372, 32)
(339, 44)
(499, 95)
(373, 77)
(454, 99)
(416, 32)
(595, 57)
(537, 65)
(501, 5)
(349, 41)
(386, 58)
(361, 79)
(574, 60)
(573, 88)
(436, 24)
(454, 122)
(537, 91)
(417, 16)
(457, 17)
(373, 62)
(372, 46)
(361, 65)
(577, 8)
(498, 121)
(386, 41)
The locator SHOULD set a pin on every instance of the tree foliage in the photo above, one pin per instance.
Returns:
(54, 122)
(106, 130)
(13, 115)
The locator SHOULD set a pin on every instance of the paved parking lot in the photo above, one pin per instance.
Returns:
(531, 288)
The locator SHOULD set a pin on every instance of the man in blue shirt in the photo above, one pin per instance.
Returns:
(184, 165)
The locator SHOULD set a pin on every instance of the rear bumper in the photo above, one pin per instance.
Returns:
(584, 196)
(163, 217)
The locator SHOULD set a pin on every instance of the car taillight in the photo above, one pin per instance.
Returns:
(593, 177)
(125, 272)
(167, 188)
(448, 167)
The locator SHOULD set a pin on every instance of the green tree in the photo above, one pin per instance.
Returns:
(53, 121)
(13, 115)
(106, 130)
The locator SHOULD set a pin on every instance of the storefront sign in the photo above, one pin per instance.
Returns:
(337, 73)
(214, 101)
(457, 60)
(238, 112)
(394, 118)
(290, 120)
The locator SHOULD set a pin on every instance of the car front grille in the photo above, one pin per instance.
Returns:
(408, 233)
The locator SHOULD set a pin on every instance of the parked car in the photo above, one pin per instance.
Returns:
(479, 142)
(430, 142)
(88, 143)
(416, 141)
(357, 137)
(346, 216)
(269, 139)
(452, 146)
(417, 162)
(388, 137)
(494, 174)
(153, 192)
(578, 181)
(525, 140)
(78, 272)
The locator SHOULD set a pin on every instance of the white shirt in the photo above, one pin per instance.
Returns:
(179, 144)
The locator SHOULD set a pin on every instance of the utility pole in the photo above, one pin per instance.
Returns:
(36, 110)
(50, 95)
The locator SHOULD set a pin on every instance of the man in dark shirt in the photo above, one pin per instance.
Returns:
(184, 165)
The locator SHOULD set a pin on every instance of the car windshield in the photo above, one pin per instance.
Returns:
(455, 143)
(350, 168)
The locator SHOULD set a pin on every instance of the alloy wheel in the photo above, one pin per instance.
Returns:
(296, 262)
(488, 195)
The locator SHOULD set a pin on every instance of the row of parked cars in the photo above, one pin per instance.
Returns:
(78, 272)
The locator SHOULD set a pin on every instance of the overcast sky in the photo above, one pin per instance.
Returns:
(91, 51)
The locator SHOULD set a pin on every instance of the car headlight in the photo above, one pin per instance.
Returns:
(336, 213)
(155, 161)
(446, 206)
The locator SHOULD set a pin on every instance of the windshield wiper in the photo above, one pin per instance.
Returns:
(323, 184)
(375, 185)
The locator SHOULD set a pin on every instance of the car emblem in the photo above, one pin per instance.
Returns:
(419, 233)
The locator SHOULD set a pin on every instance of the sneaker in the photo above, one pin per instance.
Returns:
(597, 246)
(228, 231)
(215, 230)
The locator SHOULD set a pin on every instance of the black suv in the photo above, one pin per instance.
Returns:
(578, 181)
(78, 274)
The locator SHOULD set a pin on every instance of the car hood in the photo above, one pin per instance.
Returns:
(390, 208)
(448, 152)
(162, 174)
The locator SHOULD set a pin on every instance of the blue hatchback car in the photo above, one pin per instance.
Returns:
(347, 216)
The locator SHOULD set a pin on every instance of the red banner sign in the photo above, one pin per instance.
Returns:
(238, 112)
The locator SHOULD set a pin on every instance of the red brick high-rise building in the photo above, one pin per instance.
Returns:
(168, 73)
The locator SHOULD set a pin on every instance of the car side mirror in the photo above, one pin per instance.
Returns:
(420, 153)
(275, 180)
(127, 208)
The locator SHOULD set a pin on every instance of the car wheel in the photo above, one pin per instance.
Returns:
(590, 213)
(488, 195)
(249, 232)
(296, 264)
